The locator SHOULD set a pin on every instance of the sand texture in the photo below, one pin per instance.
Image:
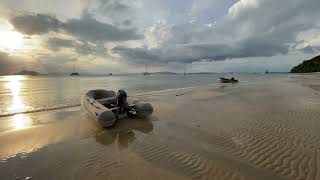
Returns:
(268, 130)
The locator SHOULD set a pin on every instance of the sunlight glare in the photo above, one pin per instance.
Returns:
(21, 121)
(11, 41)
(14, 84)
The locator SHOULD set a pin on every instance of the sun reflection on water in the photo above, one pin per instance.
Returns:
(21, 121)
(14, 84)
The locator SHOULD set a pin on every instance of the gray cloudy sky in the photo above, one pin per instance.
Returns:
(119, 36)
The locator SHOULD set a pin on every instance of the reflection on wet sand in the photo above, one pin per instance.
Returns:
(21, 121)
(124, 132)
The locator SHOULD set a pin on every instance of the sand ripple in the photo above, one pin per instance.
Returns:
(267, 145)
(187, 164)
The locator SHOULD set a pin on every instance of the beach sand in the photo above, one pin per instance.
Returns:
(267, 130)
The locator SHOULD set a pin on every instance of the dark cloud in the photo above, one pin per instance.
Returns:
(251, 29)
(112, 11)
(113, 6)
(126, 22)
(188, 53)
(81, 47)
(90, 29)
(139, 55)
(85, 28)
(97, 49)
(36, 24)
(56, 44)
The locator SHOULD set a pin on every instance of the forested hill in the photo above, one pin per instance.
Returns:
(308, 66)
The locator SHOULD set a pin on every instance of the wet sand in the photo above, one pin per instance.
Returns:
(267, 130)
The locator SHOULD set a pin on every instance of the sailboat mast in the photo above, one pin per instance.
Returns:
(74, 68)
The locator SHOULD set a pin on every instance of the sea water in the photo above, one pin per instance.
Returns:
(22, 94)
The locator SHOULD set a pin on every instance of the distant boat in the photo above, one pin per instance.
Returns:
(146, 73)
(74, 74)
(74, 71)
(267, 71)
(226, 80)
(110, 74)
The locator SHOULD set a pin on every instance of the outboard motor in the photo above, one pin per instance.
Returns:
(122, 101)
(123, 104)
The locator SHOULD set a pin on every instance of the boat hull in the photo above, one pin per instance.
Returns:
(106, 117)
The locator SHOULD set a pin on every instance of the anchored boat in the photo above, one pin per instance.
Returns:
(106, 106)
(225, 80)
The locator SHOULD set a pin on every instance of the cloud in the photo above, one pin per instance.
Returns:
(86, 28)
(98, 49)
(252, 28)
(309, 50)
(61, 8)
(36, 24)
(90, 29)
(56, 44)
(193, 52)
(80, 47)
(164, 32)
(113, 6)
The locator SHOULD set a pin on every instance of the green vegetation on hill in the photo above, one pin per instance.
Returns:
(308, 66)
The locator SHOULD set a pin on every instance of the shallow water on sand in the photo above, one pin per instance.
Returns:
(266, 130)
(19, 94)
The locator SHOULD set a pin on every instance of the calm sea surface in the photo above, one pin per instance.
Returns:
(19, 94)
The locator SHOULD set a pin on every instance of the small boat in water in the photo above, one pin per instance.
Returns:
(106, 106)
(225, 80)
(74, 72)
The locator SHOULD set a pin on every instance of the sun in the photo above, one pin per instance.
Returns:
(11, 41)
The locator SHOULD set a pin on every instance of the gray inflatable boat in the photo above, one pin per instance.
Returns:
(107, 106)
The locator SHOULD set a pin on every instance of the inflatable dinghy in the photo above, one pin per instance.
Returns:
(106, 106)
(225, 80)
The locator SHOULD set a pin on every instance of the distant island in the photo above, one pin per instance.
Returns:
(163, 72)
(308, 66)
(26, 72)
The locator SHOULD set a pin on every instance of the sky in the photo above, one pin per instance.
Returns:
(122, 36)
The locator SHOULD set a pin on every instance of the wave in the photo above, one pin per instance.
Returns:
(56, 107)
(159, 92)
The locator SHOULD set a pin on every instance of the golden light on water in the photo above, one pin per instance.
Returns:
(21, 121)
(14, 85)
